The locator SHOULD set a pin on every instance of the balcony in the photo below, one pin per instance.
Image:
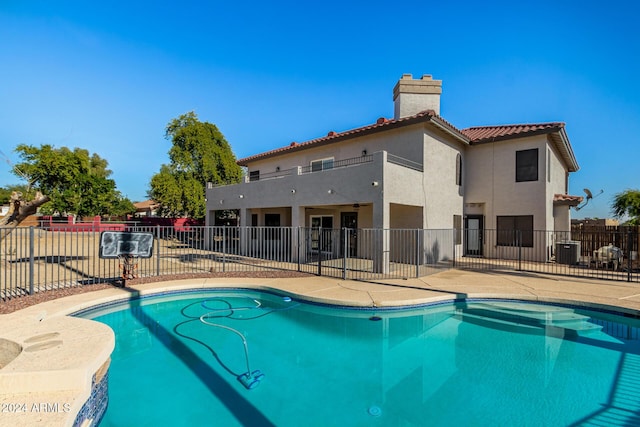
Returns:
(335, 164)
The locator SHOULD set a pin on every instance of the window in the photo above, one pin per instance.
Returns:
(321, 165)
(458, 169)
(254, 176)
(321, 233)
(272, 220)
(548, 165)
(515, 230)
(527, 165)
(254, 223)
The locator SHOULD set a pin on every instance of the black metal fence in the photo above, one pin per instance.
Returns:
(609, 255)
(34, 259)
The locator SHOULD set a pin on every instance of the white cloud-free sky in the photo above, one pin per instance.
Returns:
(109, 76)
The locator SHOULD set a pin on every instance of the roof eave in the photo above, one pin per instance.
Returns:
(450, 130)
(507, 137)
(558, 135)
(422, 117)
(564, 145)
(571, 201)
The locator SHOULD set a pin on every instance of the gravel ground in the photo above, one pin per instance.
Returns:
(18, 303)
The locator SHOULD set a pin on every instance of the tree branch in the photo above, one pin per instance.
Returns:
(19, 210)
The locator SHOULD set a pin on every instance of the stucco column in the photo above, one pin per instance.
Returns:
(243, 223)
(297, 221)
(381, 234)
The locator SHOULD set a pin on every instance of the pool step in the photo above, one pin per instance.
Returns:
(529, 317)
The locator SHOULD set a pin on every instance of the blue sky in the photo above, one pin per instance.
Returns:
(109, 76)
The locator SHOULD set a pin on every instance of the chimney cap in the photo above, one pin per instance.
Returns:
(409, 76)
(425, 85)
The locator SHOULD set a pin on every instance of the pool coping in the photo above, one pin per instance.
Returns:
(64, 373)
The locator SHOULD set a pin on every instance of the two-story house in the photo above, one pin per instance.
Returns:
(414, 171)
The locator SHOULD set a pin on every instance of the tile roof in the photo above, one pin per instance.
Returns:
(380, 125)
(146, 204)
(555, 131)
(472, 135)
(479, 134)
(565, 199)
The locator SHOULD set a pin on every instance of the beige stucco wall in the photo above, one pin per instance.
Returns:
(491, 188)
(408, 104)
(491, 180)
(400, 142)
(559, 217)
(343, 186)
(336, 190)
(443, 198)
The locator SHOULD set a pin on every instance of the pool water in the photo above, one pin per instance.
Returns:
(471, 363)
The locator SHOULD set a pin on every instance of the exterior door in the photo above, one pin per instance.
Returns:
(474, 231)
(321, 233)
(349, 221)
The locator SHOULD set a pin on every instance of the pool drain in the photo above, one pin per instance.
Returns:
(375, 411)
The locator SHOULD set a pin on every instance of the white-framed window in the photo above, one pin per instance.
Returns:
(322, 164)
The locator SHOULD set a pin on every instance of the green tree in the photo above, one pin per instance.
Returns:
(75, 181)
(627, 204)
(199, 154)
(121, 207)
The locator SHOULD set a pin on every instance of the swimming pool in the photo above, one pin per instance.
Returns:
(180, 359)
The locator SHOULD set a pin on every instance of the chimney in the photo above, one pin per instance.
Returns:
(412, 96)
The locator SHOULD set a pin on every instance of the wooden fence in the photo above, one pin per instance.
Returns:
(592, 238)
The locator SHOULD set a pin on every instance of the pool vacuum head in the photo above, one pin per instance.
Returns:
(251, 380)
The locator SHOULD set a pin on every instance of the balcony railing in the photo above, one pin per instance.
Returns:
(338, 164)
(272, 175)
